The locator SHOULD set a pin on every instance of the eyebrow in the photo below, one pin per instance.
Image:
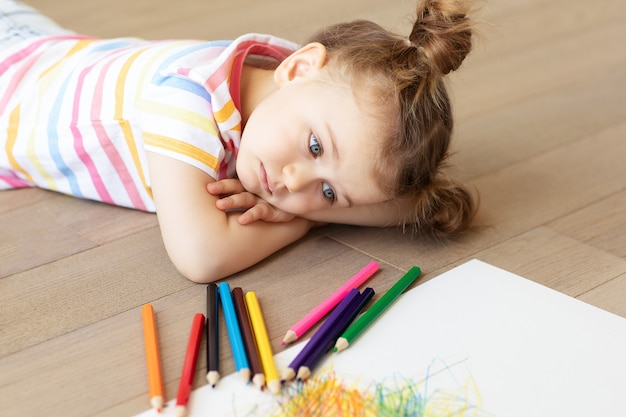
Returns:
(335, 152)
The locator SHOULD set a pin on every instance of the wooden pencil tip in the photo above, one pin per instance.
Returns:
(213, 377)
(342, 343)
(304, 373)
(259, 380)
(290, 337)
(289, 374)
(181, 411)
(157, 403)
(274, 386)
(245, 374)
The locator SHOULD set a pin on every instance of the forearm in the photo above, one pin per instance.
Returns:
(204, 243)
(210, 252)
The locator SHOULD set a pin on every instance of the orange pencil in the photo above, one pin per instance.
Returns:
(189, 367)
(155, 382)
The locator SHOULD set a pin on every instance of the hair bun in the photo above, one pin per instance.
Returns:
(443, 33)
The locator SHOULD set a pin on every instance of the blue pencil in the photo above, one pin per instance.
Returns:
(326, 343)
(234, 332)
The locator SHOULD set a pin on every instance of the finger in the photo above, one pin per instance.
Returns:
(225, 187)
(245, 218)
(260, 211)
(265, 212)
(215, 187)
(237, 201)
(252, 214)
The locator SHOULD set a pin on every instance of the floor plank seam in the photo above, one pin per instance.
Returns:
(619, 276)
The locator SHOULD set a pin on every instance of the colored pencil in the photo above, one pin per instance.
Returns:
(322, 309)
(153, 362)
(234, 332)
(258, 378)
(263, 342)
(326, 344)
(320, 334)
(189, 366)
(379, 306)
(212, 334)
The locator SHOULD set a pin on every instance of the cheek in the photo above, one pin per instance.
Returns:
(293, 204)
(244, 173)
(259, 140)
(288, 205)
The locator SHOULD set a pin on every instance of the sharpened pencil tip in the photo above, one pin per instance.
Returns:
(288, 374)
(274, 386)
(303, 373)
(181, 411)
(213, 377)
(259, 380)
(245, 374)
(342, 343)
(157, 403)
(290, 337)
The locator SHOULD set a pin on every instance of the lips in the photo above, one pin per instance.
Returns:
(267, 183)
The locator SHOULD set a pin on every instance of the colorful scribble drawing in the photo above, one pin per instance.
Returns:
(330, 395)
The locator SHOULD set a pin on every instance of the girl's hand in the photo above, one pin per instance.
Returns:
(234, 197)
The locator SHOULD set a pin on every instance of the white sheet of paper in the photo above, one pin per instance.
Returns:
(529, 350)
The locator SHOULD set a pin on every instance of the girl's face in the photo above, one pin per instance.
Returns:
(308, 146)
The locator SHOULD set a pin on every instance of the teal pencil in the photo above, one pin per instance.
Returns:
(376, 310)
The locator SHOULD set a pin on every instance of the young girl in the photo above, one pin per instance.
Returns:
(239, 146)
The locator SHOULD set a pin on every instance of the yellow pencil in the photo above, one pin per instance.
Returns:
(155, 382)
(263, 342)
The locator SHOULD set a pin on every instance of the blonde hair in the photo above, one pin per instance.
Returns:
(408, 72)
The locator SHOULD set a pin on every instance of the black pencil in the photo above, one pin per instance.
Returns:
(212, 339)
(256, 368)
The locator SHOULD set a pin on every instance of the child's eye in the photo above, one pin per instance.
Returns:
(328, 192)
(316, 150)
(314, 145)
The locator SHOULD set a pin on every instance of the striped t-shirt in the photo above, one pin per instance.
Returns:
(77, 114)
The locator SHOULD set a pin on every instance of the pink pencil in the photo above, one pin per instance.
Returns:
(328, 304)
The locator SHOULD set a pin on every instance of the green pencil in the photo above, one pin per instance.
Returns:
(379, 306)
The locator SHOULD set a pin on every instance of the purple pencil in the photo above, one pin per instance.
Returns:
(328, 325)
(325, 344)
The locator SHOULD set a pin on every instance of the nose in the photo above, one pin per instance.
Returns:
(296, 177)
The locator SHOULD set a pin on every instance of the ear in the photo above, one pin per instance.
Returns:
(303, 63)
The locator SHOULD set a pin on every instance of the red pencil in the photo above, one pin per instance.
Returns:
(189, 367)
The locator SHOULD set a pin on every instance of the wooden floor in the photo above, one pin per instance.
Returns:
(541, 116)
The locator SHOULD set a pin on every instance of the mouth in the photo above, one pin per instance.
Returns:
(265, 181)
